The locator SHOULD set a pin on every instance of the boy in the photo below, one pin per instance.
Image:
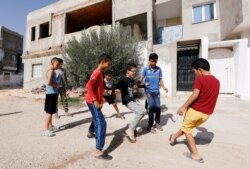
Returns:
(127, 85)
(63, 81)
(51, 98)
(94, 99)
(110, 98)
(153, 80)
(199, 106)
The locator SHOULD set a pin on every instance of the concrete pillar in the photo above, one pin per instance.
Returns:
(246, 35)
(204, 48)
(150, 30)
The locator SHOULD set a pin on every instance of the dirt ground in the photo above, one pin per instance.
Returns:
(223, 141)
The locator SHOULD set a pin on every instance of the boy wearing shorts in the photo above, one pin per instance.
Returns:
(95, 100)
(108, 96)
(51, 98)
(199, 106)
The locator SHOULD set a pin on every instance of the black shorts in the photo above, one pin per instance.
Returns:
(50, 103)
(110, 99)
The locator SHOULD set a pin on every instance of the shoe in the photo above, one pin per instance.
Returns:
(91, 135)
(104, 156)
(153, 131)
(159, 127)
(57, 116)
(129, 133)
(53, 128)
(48, 133)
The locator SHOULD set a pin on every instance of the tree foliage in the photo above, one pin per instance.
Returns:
(81, 56)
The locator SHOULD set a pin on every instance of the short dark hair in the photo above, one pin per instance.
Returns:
(54, 59)
(153, 56)
(201, 64)
(60, 60)
(131, 66)
(108, 72)
(105, 58)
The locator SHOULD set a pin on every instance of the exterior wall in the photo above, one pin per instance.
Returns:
(196, 31)
(231, 15)
(127, 8)
(15, 80)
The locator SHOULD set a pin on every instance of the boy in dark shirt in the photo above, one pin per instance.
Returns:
(127, 86)
(199, 106)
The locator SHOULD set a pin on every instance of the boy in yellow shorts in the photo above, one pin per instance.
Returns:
(199, 106)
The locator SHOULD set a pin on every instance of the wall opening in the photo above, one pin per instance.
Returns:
(138, 26)
(44, 30)
(37, 71)
(33, 33)
(97, 14)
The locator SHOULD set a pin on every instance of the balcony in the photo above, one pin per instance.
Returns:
(170, 34)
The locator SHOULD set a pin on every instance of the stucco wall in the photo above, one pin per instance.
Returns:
(211, 29)
(128, 8)
(231, 14)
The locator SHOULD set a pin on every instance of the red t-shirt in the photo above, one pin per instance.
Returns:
(209, 88)
(95, 87)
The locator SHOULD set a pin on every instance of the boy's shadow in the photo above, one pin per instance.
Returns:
(114, 115)
(74, 124)
(203, 137)
(117, 140)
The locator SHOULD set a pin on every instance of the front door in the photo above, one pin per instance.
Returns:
(185, 76)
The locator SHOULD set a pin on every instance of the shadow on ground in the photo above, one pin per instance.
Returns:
(7, 114)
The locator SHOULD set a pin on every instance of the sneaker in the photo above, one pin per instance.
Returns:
(53, 128)
(91, 135)
(159, 127)
(48, 133)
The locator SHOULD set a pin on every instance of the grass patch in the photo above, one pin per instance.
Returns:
(73, 102)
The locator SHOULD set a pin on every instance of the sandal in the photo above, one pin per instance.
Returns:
(104, 156)
(48, 133)
(172, 143)
(189, 155)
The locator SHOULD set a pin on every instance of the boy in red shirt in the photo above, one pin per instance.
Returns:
(199, 106)
(94, 99)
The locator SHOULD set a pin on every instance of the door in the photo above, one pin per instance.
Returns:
(222, 67)
(185, 76)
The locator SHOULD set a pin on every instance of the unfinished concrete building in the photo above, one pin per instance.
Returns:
(180, 31)
(11, 49)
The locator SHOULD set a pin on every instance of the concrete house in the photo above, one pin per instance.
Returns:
(178, 30)
(11, 49)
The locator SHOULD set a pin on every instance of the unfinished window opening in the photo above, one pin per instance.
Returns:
(97, 14)
(138, 26)
(6, 76)
(33, 33)
(44, 30)
(37, 71)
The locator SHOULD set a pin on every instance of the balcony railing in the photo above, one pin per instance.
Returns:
(169, 34)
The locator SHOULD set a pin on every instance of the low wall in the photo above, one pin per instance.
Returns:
(14, 80)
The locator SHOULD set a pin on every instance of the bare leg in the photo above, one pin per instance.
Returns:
(177, 135)
(192, 146)
(119, 115)
(48, 121)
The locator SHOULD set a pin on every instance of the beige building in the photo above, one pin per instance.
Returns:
(178, 30)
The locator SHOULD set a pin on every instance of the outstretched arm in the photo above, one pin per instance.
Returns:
(190, 100)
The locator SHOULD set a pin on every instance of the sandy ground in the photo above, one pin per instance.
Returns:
(223, 141)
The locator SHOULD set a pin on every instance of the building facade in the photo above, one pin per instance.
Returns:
(179, 31)
(11, 49)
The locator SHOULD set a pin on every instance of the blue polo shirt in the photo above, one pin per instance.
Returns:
(152, 78)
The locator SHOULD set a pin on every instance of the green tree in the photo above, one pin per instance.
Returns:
(81, 56)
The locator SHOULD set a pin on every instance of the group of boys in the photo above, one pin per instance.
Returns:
(197, 108)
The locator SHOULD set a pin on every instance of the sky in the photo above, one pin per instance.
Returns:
(13, 12)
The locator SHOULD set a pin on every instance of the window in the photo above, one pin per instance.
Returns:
(37, 70)
(6, 76)
(33, 33)
(44, 30)
(203, 13)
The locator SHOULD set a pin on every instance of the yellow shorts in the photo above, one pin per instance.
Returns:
(192, 120)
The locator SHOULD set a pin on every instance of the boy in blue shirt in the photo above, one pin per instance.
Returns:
(153, 81)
